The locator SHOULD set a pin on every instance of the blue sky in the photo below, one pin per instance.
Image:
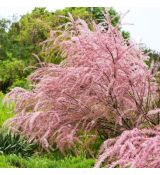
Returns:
(146, 20)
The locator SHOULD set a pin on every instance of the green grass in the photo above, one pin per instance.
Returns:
(6, 110)
(45, 162)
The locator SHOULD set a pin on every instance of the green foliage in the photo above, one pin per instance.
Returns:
(4, 163)
(45, 162)
(21, 82)
(28, 32)
(33, 28)
(86, 13)
(4, 40)
(6, 110)
(126, 35)
(11, 70)
(114, 16)
(15, 144)
(154, 57)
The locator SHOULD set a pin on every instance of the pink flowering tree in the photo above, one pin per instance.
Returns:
(103, 80)
(135, 148)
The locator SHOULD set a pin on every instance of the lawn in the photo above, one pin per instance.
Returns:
(45, 161)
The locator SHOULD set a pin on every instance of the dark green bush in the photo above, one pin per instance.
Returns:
(10, 71)
(15, 144)
(21, 82)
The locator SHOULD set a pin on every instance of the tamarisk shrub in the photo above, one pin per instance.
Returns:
(133, 148)
(103, 78)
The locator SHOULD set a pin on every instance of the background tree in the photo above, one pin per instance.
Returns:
(20, 40)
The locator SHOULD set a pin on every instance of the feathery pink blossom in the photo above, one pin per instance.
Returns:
(133, 148)
(103, 76)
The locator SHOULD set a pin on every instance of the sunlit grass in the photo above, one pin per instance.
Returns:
(6, 110)
(45, 162)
